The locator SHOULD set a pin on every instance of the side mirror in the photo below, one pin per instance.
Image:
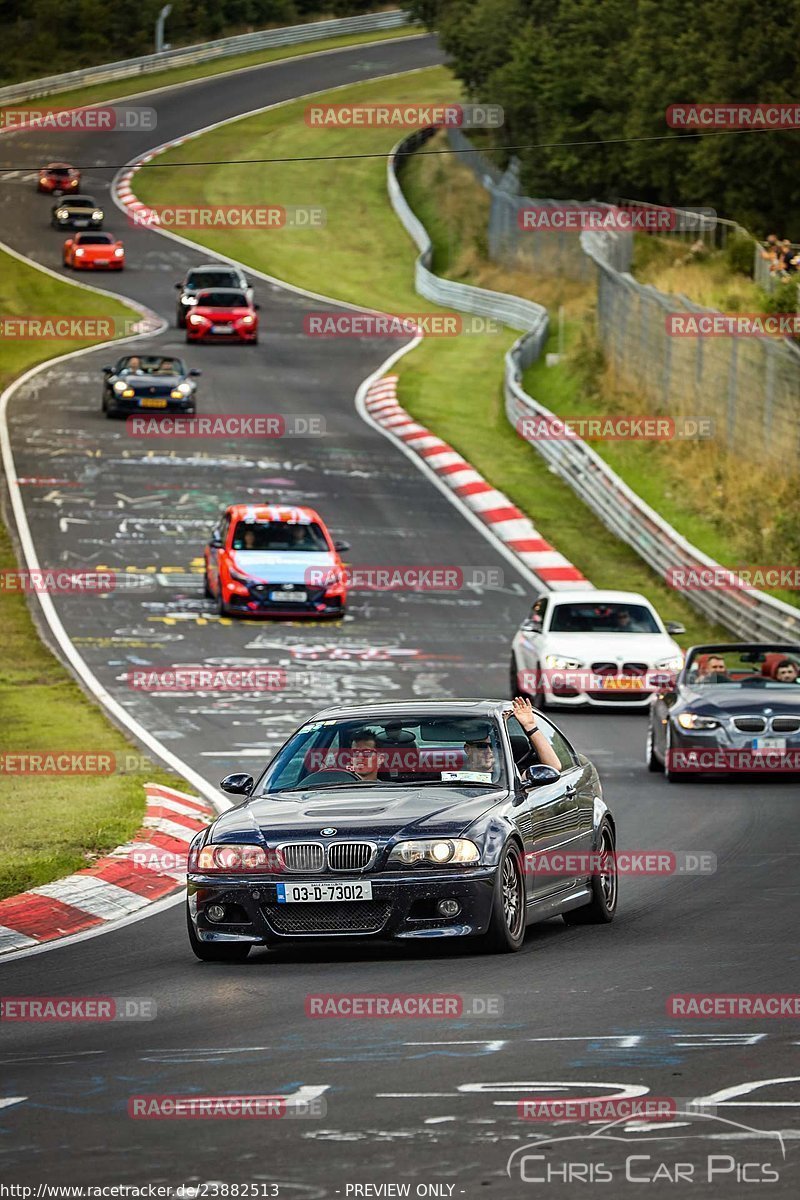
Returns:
(538, 775)
(108, 370)
(341, 546)
(257, 307)
(238, 785)
(675, 627)
(178, 287)
(216, 541)
(194, 371)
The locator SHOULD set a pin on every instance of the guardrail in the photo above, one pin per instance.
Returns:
(204, 52)
(748, 614)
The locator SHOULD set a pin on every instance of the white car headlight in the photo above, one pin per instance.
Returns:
(690, 720)
(119, 386)
(562, 664)
(436, 852)
(62, 214)
(97, 215)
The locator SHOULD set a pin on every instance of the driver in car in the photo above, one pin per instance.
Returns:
(366, 758)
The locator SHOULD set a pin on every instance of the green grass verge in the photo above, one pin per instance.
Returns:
(123, 88)
(52, 825)
(363, 255)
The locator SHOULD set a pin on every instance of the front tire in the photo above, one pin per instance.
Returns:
(506, 931)
(603, 904)
(216, 951)
(650, 752)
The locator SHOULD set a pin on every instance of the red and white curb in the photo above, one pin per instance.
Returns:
(493, 508)
(116, 885)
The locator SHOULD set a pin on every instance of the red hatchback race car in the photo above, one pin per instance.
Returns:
(94, 252)
(222, 314)
(58, 179)
(271, 560)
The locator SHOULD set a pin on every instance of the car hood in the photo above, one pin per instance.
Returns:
(361, 811)
(223, 314)
(143, 382)
(720, 698)
(274, 566)
(622, 647)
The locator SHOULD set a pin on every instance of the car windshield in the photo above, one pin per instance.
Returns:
(206, 279)
(411, 751)
(279, 535)
(58, 170)
(81, 202)
(94, 239)
(612, 617)
(751, 666)
(150, 364)
(222, 300)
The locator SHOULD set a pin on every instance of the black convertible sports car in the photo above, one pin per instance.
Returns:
(77, 212)
(402, 821)
(734, 707)
(149, 383)
(208, 275)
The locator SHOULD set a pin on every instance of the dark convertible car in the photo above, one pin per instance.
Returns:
(735, 707)
(402, 821)
(149, 383)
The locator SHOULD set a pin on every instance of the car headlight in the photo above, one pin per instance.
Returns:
(188, 299)
(128, 393)
(97, 215)
(195, 319)
(43, 179)
(119, 386)
(62, 214)
(670, 664)
(248, 320)
(690, 720)
(233, 857)
(118, 253)
(438, 852)
(181, 391)
(79, 252)
(562, 664)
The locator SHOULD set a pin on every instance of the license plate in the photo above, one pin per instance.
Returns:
(153, 403)
(289, 597)
(101, 262)
(769, 743)
(222, 329)
(621, 683)
(323, 893)
(80, 222)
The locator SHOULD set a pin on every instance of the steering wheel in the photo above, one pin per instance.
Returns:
(331, 775)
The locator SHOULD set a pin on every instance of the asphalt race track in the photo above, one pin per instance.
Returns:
(424, 1102)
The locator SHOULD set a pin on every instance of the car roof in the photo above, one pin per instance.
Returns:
(292, 513)
(50, 166)
(592, 595)
(399, 708)
(215, 267)
(96, 233)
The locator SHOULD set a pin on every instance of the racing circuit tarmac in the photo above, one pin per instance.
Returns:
(425, 1102)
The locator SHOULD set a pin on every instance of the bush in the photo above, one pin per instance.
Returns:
(784, 298)
(740, 255)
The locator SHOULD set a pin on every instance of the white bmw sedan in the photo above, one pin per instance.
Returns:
(599, 648)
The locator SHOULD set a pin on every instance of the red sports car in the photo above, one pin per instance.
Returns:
(271, 560)
(222, 314)
(58, 179)
(94, 252)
